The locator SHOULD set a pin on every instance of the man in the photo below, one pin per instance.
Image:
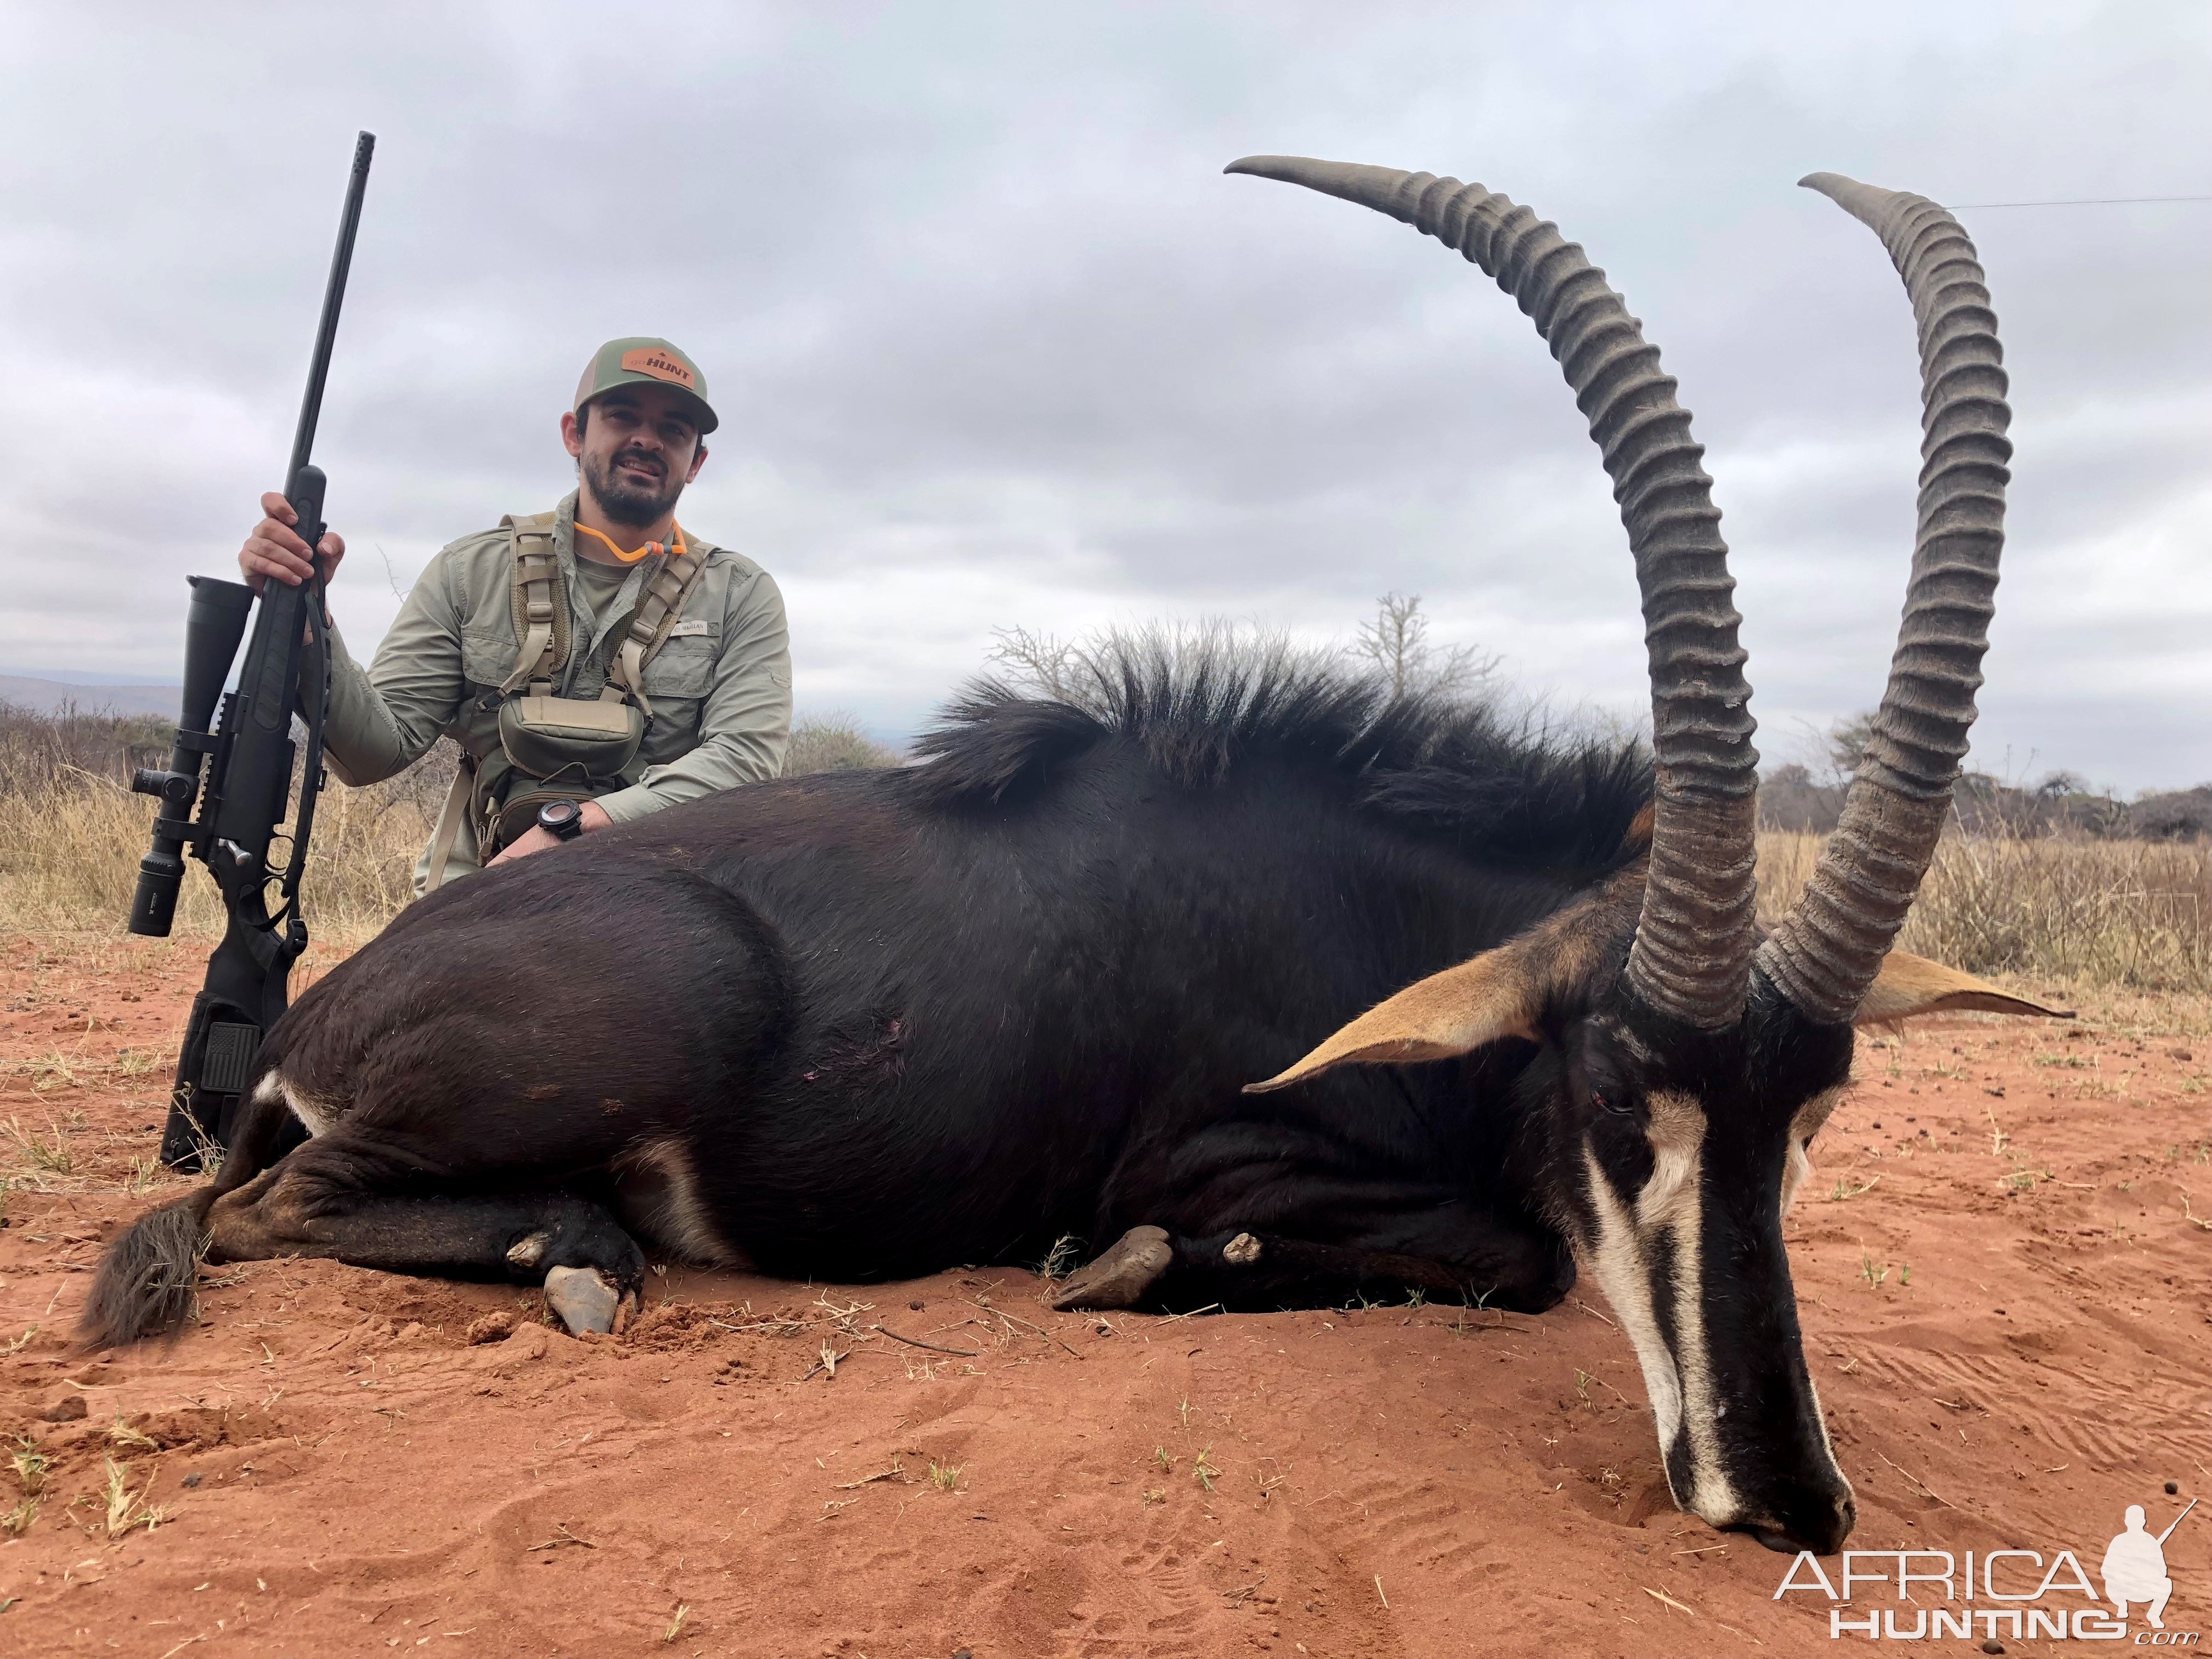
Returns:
(710, 675)
(2134, 1569)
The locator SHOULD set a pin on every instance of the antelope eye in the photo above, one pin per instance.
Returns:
(1607, 1101)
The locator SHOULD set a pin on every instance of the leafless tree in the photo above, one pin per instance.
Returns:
(1396, 644)
(1038, 662)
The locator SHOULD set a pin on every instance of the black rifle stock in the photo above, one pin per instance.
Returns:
(236, 766)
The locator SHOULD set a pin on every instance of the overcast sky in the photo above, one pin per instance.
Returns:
(994, 342)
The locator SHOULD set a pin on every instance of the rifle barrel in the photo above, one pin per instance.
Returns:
(2177, 1520)
(318, 367)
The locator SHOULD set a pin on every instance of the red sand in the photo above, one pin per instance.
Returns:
(2010, 1335)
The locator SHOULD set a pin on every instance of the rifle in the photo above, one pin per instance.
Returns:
(246, 756)
(2177, 1520)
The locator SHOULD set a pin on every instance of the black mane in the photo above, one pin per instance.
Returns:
(1200, 706)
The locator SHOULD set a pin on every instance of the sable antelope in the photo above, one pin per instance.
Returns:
(870, 1025)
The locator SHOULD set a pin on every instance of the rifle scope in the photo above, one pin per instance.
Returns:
(214, 622)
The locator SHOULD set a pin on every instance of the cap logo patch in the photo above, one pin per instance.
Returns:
(650, 360)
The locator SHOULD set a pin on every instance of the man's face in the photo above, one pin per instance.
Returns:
(637, 449)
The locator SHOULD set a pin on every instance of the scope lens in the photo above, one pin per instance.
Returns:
(153, 906)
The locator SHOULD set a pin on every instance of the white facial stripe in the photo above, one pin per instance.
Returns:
(1678, 1132)
(1797, 1166)
(1670, 1198)
(1680, 1382)
(1617, 1263)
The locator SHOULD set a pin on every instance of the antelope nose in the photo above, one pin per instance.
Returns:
(1819, 1522)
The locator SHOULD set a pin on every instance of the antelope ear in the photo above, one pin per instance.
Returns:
(1454, 1012)
(1909, 985)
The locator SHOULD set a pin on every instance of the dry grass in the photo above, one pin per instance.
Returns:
(71, 833)
(2124, 916)
(833, 743)
(127, 1511)
(69, 851)
(2121, 917)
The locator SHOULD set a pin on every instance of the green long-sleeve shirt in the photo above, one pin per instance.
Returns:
(720, 686)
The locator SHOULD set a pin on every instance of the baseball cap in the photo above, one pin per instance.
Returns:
(640, 360)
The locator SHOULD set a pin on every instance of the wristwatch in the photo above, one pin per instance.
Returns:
(563, 820)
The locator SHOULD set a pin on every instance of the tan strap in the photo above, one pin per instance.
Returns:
(539, 599)
(449, 823)
(656, 617)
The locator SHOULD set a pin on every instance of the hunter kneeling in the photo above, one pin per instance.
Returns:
(595, 663)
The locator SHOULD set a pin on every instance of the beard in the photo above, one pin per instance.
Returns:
(626, 498)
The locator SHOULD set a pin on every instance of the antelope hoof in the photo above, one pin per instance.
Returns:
(585, 1298)
(1241, 1251)
(1120, 1277)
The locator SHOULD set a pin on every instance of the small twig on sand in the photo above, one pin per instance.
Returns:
(1211, 1307)
(1660, 1596)
(1039, 1329)
(566, 1537)
(934, 1347)
(1016, 1319)
(827, 1363)
(1623, 1398)
(1927, 1489)
(1592, 1312)
(897, 1471)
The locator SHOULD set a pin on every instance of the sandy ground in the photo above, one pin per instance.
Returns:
(2005, 1301)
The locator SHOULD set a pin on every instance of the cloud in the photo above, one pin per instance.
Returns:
(995, 342)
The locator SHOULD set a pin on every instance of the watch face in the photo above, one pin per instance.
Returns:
(563, 818)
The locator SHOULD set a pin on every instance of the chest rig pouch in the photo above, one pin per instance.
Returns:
(556, 748)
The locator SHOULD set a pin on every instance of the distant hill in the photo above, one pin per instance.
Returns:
(51, 696)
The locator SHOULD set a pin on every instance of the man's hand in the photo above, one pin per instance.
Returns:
(273, 548)
(592, 818)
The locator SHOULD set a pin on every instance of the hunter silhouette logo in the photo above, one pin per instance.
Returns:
(649, 360)
(2135, 1567)
(2006, 1593)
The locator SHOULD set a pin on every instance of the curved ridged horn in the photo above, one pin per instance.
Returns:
(1826, 952)
(1692, 958)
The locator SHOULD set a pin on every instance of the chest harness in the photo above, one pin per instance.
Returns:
(554, 748)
